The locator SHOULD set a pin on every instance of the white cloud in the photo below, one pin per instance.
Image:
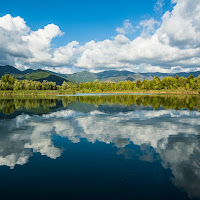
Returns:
(126, 29)
(172, 43)
(148, 27)
(61, 70)
(159, 5)
(11, 43)
(39, 43)
(181, 27)
(13, 24)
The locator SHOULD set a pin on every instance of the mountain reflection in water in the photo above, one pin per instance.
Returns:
(150, 129)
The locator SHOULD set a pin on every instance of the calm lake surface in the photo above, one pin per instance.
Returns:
(100, 147)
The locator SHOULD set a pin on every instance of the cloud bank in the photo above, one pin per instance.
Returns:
(169, 45)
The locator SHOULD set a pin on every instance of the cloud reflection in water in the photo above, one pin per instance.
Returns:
(171, 134)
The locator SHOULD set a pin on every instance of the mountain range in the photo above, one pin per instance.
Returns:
(116, 76)
(85, 76)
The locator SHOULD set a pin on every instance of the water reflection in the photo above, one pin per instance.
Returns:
(9, 105)
(160, 126)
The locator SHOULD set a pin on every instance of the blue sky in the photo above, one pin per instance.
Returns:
(71, 36)
(82, 20)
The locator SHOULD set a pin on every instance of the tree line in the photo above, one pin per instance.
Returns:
(7, 82)
(167, 83)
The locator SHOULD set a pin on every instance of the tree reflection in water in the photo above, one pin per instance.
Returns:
(9, 105)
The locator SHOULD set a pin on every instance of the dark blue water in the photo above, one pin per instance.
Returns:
(100, 150)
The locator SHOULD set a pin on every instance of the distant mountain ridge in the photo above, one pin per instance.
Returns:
(116, 76)
(85, 76)
(7, 69)
(30, 74)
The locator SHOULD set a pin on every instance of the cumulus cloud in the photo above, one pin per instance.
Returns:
(171, 43)
(11, 42)
(148, 27)
(38, 42)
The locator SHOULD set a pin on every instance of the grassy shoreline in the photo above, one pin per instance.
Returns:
(69, 92)
(148, 92)
(35, 92)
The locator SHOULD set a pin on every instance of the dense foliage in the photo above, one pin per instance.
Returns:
(167, 83)
(9, 83)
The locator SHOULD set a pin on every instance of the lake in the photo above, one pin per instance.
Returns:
(100, 147)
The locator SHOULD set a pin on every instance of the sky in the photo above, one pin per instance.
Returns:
(70, 36)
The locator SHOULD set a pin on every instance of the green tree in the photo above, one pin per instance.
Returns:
(138, 84)
(64, 85)
(8, 79)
